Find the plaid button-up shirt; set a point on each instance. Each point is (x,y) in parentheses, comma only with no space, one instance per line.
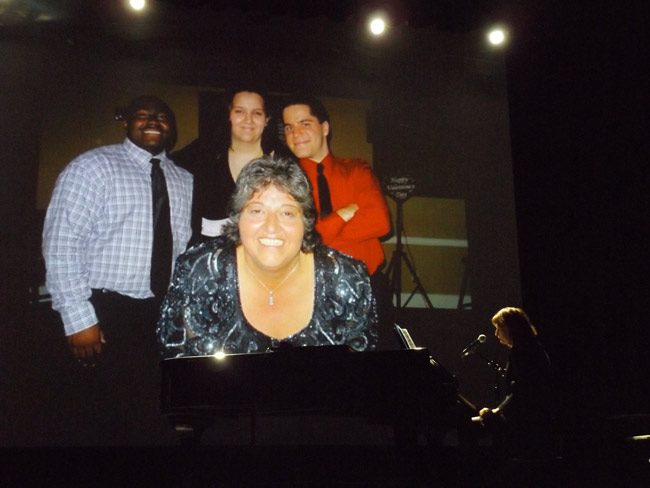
(98,230)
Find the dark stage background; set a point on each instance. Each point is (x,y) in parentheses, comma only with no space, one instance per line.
(578,101)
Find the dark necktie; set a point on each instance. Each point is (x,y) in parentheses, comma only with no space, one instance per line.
(323,192)
(161,254)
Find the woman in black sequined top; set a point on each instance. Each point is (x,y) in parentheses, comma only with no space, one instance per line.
(267,282)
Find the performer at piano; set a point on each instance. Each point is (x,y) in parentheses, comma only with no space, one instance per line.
(524,420)
(267,282)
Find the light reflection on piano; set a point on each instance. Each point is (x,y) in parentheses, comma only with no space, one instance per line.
(401,388)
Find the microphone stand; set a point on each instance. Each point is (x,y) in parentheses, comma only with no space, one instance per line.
(498,374)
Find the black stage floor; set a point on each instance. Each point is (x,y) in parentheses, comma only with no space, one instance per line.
(280,466)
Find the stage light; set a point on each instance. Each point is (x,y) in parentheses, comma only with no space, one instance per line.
(377,26)
(497,36)
(137,5)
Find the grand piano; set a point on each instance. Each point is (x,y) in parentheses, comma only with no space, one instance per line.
(406,389)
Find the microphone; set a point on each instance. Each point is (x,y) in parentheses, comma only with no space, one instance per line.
(473,346)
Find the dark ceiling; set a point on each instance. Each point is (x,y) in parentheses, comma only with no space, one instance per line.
(448,15)
(253,39)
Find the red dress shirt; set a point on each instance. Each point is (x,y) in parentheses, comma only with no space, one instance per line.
(352,181)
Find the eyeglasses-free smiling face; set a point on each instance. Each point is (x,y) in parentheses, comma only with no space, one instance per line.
(149,127)
(271,230)
(247,117)
(305,135)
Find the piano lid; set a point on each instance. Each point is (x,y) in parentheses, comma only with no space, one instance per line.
(325,380)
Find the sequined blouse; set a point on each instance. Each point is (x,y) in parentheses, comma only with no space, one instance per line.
(202,312)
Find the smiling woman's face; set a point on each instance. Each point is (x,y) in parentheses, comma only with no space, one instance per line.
(271,229)
(247,117)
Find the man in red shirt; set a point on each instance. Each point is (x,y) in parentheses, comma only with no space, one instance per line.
(353,214)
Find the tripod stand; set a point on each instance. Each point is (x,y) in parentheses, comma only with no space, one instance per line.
(394,270)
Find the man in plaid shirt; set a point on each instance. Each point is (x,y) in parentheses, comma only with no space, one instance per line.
(98,240)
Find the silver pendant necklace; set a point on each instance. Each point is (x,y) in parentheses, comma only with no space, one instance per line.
(271,300)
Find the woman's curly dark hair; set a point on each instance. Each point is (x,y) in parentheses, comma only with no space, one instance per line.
(285,175)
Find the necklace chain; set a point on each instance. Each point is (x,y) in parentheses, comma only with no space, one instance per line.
(271,290)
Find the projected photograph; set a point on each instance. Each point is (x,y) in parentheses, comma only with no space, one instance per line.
(426,109)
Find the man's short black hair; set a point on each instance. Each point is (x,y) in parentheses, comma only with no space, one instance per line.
(144,100)
(138,102)
(316,108)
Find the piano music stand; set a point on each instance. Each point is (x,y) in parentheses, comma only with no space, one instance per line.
(404,337)
(407,343)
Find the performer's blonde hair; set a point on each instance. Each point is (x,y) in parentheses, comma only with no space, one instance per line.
(517,322)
